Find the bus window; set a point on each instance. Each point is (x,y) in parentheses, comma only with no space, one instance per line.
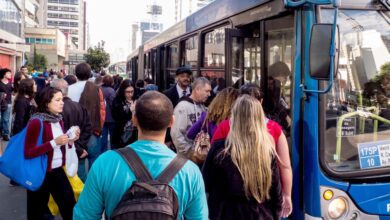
(356,111)
(214,48)
(279,41)
(172,63)
(189,56)
(245,57)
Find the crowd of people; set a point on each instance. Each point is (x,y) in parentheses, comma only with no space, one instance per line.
(246,173)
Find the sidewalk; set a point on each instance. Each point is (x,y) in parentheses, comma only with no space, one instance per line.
(12,199)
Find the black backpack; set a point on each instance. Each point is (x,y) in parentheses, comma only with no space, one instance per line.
(148,198)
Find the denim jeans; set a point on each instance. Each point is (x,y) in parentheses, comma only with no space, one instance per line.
(5,120)
(94,151)
(108,129)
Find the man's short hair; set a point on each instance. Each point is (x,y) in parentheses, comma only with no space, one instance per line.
(200,82)
(153,111)
(3,72)
(60,84)
(83,71)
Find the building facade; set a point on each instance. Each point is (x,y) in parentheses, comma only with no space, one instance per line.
(12,45)
(70,17)
(50,42)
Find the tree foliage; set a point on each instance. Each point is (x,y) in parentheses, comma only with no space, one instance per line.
(97,57)
(39,62)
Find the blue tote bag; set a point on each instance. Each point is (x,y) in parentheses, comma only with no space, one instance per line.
(29,173)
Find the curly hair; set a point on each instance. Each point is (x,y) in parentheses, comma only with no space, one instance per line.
(220,107)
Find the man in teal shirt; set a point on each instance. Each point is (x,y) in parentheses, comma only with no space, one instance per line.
(110,177)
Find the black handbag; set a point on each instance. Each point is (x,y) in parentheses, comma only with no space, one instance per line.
(128,132)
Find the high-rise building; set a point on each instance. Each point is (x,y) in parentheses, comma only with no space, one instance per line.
(70,17)
(149,27)
(31,15)
(183,8)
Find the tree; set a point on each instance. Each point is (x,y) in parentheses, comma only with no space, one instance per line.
(39,62)
(97,57)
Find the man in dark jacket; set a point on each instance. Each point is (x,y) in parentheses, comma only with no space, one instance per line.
(75,115)
(182,87)
(176,92)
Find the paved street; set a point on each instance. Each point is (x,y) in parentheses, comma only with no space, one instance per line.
(12,199)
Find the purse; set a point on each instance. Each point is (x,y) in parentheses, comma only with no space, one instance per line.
(29,173)
(128,131)
(201,144)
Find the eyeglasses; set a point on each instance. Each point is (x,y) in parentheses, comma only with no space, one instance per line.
(129,92)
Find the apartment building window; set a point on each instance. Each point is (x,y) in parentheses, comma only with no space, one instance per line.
(63,23)
(68,2)
(63,16)
(10,17)
(56,8)
(31,40)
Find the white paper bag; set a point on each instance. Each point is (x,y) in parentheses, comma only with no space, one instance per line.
(72,161)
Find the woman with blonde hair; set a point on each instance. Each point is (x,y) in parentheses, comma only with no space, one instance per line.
(219,110)
(241,173)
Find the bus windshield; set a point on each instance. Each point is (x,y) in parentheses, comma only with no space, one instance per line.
(356,138)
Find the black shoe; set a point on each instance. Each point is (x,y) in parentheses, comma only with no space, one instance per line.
(5,138)
(13,183)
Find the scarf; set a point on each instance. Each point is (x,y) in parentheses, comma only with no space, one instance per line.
(48,117)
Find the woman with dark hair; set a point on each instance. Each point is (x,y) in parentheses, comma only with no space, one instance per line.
(122,109)
(109,123)
(24,105)
(17,78)
(54,140)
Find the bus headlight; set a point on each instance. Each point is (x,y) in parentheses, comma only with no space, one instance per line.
(337,208)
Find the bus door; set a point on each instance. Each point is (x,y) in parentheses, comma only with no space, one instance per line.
(160,68)
(243,54)
(279,51)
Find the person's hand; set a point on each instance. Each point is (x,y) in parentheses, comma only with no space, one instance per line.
(132,106)
(77,133)
(286,206)
(61,140)
(84,154)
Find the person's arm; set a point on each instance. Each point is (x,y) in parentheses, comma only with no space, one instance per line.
(179,130)
(276,191)
(31,149)
(20,112)
(102,109)
(85,133)
(90,205)
(195,129)
(197,205)
(285,173)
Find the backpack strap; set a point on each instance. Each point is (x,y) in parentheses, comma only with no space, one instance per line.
(135,163)
(172,169)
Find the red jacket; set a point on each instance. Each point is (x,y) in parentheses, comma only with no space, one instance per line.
(31,149)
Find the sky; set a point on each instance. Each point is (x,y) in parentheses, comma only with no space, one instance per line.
(110,20)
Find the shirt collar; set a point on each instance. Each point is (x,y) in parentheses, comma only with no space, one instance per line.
(180,90)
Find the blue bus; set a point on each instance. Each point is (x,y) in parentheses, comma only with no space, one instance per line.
(327,85)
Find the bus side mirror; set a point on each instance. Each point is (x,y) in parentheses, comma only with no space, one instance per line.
(319,57)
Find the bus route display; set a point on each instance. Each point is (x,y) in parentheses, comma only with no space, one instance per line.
(374,154)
